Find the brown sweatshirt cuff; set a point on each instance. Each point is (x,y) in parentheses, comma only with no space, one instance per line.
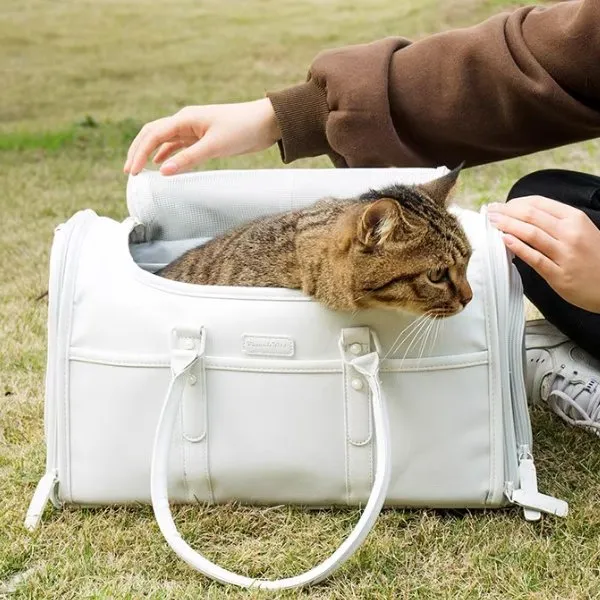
(301,113)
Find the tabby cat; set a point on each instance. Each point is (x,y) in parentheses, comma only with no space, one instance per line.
(394,248)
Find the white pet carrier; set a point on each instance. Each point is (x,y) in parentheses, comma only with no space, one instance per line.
(163,391)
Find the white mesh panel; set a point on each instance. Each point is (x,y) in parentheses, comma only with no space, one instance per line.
(207,203)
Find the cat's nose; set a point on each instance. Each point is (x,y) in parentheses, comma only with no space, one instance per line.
(466,295)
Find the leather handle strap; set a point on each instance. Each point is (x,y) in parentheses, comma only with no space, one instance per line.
(368,366)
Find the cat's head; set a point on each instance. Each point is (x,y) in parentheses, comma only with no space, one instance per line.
(403,250)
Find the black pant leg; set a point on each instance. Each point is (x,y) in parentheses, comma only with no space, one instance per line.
(583,192)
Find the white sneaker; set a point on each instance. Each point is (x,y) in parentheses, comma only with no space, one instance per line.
(563,375)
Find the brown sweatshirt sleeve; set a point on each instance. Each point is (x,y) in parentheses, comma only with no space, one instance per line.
(518,83)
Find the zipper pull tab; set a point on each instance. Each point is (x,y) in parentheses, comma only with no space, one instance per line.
(528,484)
(42,494)
(527,495)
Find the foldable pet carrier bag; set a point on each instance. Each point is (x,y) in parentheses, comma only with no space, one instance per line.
(161,391)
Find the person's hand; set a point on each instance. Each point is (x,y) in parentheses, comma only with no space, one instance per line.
(558,241)
(203,132)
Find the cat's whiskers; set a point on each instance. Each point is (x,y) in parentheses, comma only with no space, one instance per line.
(439,324)
(358,309)
(416,333)
(353,315)
(425,339)
(416,336)
(408,330)
(367,293)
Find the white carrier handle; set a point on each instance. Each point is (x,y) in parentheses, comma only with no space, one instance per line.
(368,366)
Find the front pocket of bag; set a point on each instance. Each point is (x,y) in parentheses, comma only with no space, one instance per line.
(448,454)
(278,431)
(111,417)
(273,435)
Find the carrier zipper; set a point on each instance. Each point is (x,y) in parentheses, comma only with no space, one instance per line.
(499,274)
(526,470)
(521,484)
(47,488)
(516,328)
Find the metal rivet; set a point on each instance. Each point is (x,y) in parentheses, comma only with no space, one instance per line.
(188,343)
(192,380)
(356,348)
(357,384)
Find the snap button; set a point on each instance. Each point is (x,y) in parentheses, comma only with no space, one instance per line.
(357,384)
(192,380)
(356,348)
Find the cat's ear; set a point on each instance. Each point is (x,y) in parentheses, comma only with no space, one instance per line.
(378,222)
(439,189)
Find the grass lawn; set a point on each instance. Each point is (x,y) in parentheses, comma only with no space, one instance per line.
(79,77)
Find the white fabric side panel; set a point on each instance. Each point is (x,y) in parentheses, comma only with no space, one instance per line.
(208,203)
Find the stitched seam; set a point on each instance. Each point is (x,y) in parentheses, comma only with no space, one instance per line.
(119,363)
(436,367)
(184,449)
(492,387)
(347,451)
(273,370)
(365,441)
(132,359)
(211,494)
(197,454)
(370,445)
(348,400)
(350,395)
(352,398)
(66,387)
(83,228)
(214,367)
(196,438)
(369,414)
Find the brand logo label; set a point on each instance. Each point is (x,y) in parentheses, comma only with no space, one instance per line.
(262,345)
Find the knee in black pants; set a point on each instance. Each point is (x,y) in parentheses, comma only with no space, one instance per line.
(580,190)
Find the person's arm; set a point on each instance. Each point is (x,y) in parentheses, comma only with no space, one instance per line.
(517,83)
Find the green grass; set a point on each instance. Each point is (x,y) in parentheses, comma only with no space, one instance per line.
(79,78)
(84,135)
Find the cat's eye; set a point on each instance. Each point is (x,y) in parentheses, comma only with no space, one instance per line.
(438,275)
